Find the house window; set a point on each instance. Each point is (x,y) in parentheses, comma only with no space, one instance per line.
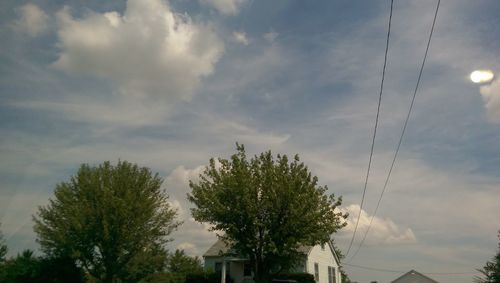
(316,272)
(331,275)
(218,266)
(247,269)
(323,246)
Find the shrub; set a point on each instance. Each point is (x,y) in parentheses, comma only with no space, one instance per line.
(299,277)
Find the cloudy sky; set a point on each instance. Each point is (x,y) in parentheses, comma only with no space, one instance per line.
(168,85)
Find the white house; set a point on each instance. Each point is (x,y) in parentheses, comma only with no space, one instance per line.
(321,261)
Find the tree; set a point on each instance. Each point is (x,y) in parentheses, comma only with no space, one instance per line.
(491,271)
(111,220)
(26,267)
(266,208)
(179,262)
(179,266)
(3,248)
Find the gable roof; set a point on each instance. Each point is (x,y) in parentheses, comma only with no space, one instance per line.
(219,248)
(413,276)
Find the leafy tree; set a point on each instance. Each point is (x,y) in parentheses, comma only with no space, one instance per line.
(266,208)
(113,221)
(179,266)
(23,268)
(491,271)
(26,267)
(3,248)
(179,262)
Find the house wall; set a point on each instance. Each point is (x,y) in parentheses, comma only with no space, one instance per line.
(235,269)
(324,258)
(210,262)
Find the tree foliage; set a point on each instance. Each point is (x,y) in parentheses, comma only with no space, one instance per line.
(112,220)
(3,248)
(179,262)
(490,273)
(266,208)
(179,267)
(26,267)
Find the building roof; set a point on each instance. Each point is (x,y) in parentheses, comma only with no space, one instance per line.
(217,249)
(413,276)
(220,248)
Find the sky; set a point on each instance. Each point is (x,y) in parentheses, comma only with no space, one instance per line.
(168,85)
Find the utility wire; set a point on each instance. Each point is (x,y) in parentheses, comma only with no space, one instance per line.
(405,271)
(374,129)
(402,132)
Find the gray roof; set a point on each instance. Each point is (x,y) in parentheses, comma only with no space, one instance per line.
(413,276)
(217,249)
(220,248)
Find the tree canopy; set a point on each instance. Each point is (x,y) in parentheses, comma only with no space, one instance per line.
(113,221)
(26,267)
(490,273)
(3,248)
(265,207)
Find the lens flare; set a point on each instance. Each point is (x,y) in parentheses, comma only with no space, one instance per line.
(482,76)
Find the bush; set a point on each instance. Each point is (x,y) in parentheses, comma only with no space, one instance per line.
(299,277)
(203,277)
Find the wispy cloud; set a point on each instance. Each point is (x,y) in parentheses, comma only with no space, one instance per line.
(225,7)
(240,37)
(32,20)
(491,98)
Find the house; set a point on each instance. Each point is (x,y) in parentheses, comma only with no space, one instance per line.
(321,261)
(413,276)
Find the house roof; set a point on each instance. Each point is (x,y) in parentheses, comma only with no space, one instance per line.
(413,276)
(220,248)
(217,249)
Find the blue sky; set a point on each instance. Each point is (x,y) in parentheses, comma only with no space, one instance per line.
(170,84)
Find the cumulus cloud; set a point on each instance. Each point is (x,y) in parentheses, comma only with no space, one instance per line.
(192,237)
(383,231)
(32,20)
(147,50)
(225,7)
(491,98)
(240,37)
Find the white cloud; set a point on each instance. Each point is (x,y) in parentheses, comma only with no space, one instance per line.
(149,50)
(32,20)
(225,7)
(240,37)
(193,237)
(188,248)
(491,98)
(382,231)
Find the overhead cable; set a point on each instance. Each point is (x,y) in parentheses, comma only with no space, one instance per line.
(374,130)
(402,132)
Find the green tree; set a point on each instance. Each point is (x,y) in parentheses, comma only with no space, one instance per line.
(26,267)
(111,220)
(179,262)
(3,248)
(266,208)
(179,266)
(490,273)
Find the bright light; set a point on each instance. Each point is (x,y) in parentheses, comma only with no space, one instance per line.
(481,76)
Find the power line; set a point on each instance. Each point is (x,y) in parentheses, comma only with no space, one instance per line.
(374,129)
(404,271)
(402,132)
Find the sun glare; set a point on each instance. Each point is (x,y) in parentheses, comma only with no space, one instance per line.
(481,76)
